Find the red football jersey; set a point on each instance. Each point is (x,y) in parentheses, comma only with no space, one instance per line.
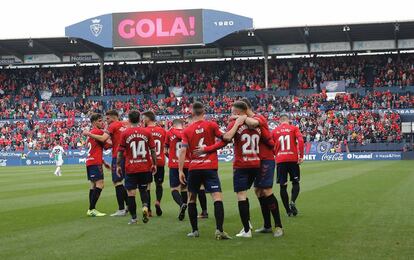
(136,142)
(174,142)
(115,130)
(201,133)
(266,150)
(246,146)
(289,143)
(95,149)
(158,134)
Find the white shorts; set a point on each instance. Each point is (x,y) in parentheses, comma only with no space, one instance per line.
(59,163)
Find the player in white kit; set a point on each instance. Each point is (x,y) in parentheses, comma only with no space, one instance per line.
(57,154)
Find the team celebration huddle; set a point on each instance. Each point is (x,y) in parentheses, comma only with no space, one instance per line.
(139,151)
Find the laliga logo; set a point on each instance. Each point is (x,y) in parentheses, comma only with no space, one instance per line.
(96,27)
(146,28)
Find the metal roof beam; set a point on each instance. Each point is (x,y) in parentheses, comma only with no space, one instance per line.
(48,48)
(305,36)
(91,48)
(346,29)
(13,52)
(396,34)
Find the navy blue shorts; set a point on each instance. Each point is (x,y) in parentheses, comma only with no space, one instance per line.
(159,175)
(175,178)
(95,172)
(138,180)
(244,178)
(115,177)
(285,168)
(267,174)
(208,178)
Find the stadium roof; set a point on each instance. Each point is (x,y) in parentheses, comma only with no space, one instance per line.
(324,33)
(264,37)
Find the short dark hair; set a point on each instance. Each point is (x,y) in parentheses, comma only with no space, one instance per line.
(240,105)
(282,115)
(247,101)
(177,121)
(150,115)
(95,117)
(198,108)
(112,112)
(134,116)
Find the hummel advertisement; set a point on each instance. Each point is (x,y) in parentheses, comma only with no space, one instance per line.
(79,157)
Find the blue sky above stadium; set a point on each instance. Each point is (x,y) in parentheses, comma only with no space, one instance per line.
(48,18)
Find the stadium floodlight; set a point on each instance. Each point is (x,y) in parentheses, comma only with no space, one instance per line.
(306,31)
(250,33)
(73,41)
(397,27)
(30,43)
(346,28)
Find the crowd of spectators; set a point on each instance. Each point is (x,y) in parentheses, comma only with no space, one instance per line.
(209,77)
(28,121)
(264,103)
(41,135)
(361,126)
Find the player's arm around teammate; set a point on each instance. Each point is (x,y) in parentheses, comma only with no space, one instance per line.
(140,164)
(94,162)
(264,182)
(203,170)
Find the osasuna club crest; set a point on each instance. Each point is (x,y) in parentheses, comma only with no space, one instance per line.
(96,27)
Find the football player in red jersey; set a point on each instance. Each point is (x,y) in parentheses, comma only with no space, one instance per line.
(158,134)
(202,198)
(247,165)
(140,163)
(114,131)
(264,181)
(289,148)
(202,168)
(172,148)
(94,163)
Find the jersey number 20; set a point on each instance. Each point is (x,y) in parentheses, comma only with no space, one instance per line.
(251,144)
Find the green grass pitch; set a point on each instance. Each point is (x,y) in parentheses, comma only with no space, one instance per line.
(348,210)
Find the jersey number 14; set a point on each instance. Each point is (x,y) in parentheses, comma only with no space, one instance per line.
(138,149)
